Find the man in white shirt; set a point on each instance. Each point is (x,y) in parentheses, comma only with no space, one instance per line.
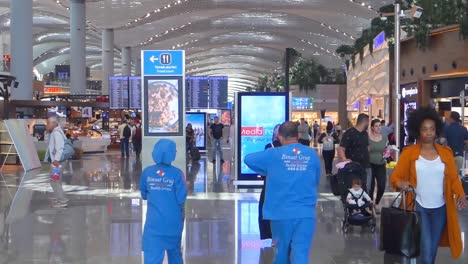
(54,156)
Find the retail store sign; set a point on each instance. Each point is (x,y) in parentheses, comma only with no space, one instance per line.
(408,92)
(163,62)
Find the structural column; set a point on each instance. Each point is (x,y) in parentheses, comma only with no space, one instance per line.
(78,46)
(107,58)
(126,61)
(138,66)
(22,48)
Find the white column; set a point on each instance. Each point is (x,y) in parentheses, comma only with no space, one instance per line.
(138,66)
(107,58)
(126,61)
(21,48)
(78,47)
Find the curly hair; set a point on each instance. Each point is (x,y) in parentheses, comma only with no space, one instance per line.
(418,116)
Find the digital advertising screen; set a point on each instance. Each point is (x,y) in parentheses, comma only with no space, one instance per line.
(198,121)
(118,92)
(57,111)
(164,111)
(87,112)
(226,117)
(256,126)
(301,103)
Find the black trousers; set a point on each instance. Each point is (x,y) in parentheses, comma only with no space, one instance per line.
(263,225)
(379,174)
(328,157)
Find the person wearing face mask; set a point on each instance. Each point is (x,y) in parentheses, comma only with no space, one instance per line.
(377,145)
(430,169)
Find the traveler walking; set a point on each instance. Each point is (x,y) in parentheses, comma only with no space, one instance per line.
(304,136)
(289,201)
(355,142)
(316,130)
(56,154)
(377,145)
(456,137)
(328,141)
(137,140)
(430,169)
(264,225)
(163,185)
(125,132)
(216,136)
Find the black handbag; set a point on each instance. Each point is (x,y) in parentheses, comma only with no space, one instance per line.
(400,229)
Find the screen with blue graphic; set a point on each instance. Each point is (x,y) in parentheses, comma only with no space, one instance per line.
(198,121)
(301,103)
(257,125)
(197,92)
(219,92)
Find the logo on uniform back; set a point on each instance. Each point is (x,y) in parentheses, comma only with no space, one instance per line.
(160,173)
(296,151)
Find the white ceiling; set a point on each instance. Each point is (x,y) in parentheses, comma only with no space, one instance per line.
(239,38)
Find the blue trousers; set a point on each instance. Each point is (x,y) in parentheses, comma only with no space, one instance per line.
(433,222)
(217,147)
(154,251)
(124,147)
(295,235)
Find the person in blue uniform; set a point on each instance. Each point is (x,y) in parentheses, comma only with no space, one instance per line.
(293,175)
(163,186)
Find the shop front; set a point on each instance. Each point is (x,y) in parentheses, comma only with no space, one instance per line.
(445,94)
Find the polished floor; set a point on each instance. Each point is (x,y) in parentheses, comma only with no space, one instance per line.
(103,223)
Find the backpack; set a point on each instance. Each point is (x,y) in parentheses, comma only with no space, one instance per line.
(68,149)
(137,136)
(329,144)
(127,132)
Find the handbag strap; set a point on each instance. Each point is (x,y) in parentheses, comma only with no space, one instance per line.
(403,194)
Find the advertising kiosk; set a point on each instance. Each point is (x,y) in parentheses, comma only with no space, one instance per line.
(255,128)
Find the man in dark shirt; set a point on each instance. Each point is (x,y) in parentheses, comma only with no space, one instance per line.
(216,135)
(355,143)
(456,137)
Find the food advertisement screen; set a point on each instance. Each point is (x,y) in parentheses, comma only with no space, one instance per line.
(198,122)
(256,126)
(164,106)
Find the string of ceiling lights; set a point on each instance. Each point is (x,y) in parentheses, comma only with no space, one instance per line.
(363,4)
(144,43)
(152,13)
(320,47)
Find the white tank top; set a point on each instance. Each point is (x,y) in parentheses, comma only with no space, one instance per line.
(430,187)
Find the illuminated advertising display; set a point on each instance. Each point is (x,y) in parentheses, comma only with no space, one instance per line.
(198,121)
(256,125)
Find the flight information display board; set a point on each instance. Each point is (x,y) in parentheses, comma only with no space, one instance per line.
(118,92)
(135,92)
(197,92)
(219,92)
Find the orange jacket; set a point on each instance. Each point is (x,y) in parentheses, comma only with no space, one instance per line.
(406,171)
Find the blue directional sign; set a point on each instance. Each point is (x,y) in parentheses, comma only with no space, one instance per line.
(163,62)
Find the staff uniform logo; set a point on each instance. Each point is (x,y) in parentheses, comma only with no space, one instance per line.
(296,151)
(161,173)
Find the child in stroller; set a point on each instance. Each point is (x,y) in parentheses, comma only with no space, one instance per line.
(358,208)
(358,198)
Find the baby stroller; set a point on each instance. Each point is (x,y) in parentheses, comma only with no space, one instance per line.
(355,215)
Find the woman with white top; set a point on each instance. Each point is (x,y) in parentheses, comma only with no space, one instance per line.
(430,168)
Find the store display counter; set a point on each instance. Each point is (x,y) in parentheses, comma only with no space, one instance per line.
(88,145)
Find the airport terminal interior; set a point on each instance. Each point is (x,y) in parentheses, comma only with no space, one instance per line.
(215,77)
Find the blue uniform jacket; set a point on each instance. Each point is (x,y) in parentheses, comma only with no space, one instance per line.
(164,187)
(292,180)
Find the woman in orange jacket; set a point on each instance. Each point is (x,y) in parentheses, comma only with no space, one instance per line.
(430,168)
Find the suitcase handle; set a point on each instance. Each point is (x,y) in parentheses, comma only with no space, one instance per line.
(403,195)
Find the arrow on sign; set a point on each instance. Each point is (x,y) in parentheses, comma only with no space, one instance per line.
(153,59)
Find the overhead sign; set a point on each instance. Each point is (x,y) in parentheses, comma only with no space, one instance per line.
(163,62)
(163,73)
